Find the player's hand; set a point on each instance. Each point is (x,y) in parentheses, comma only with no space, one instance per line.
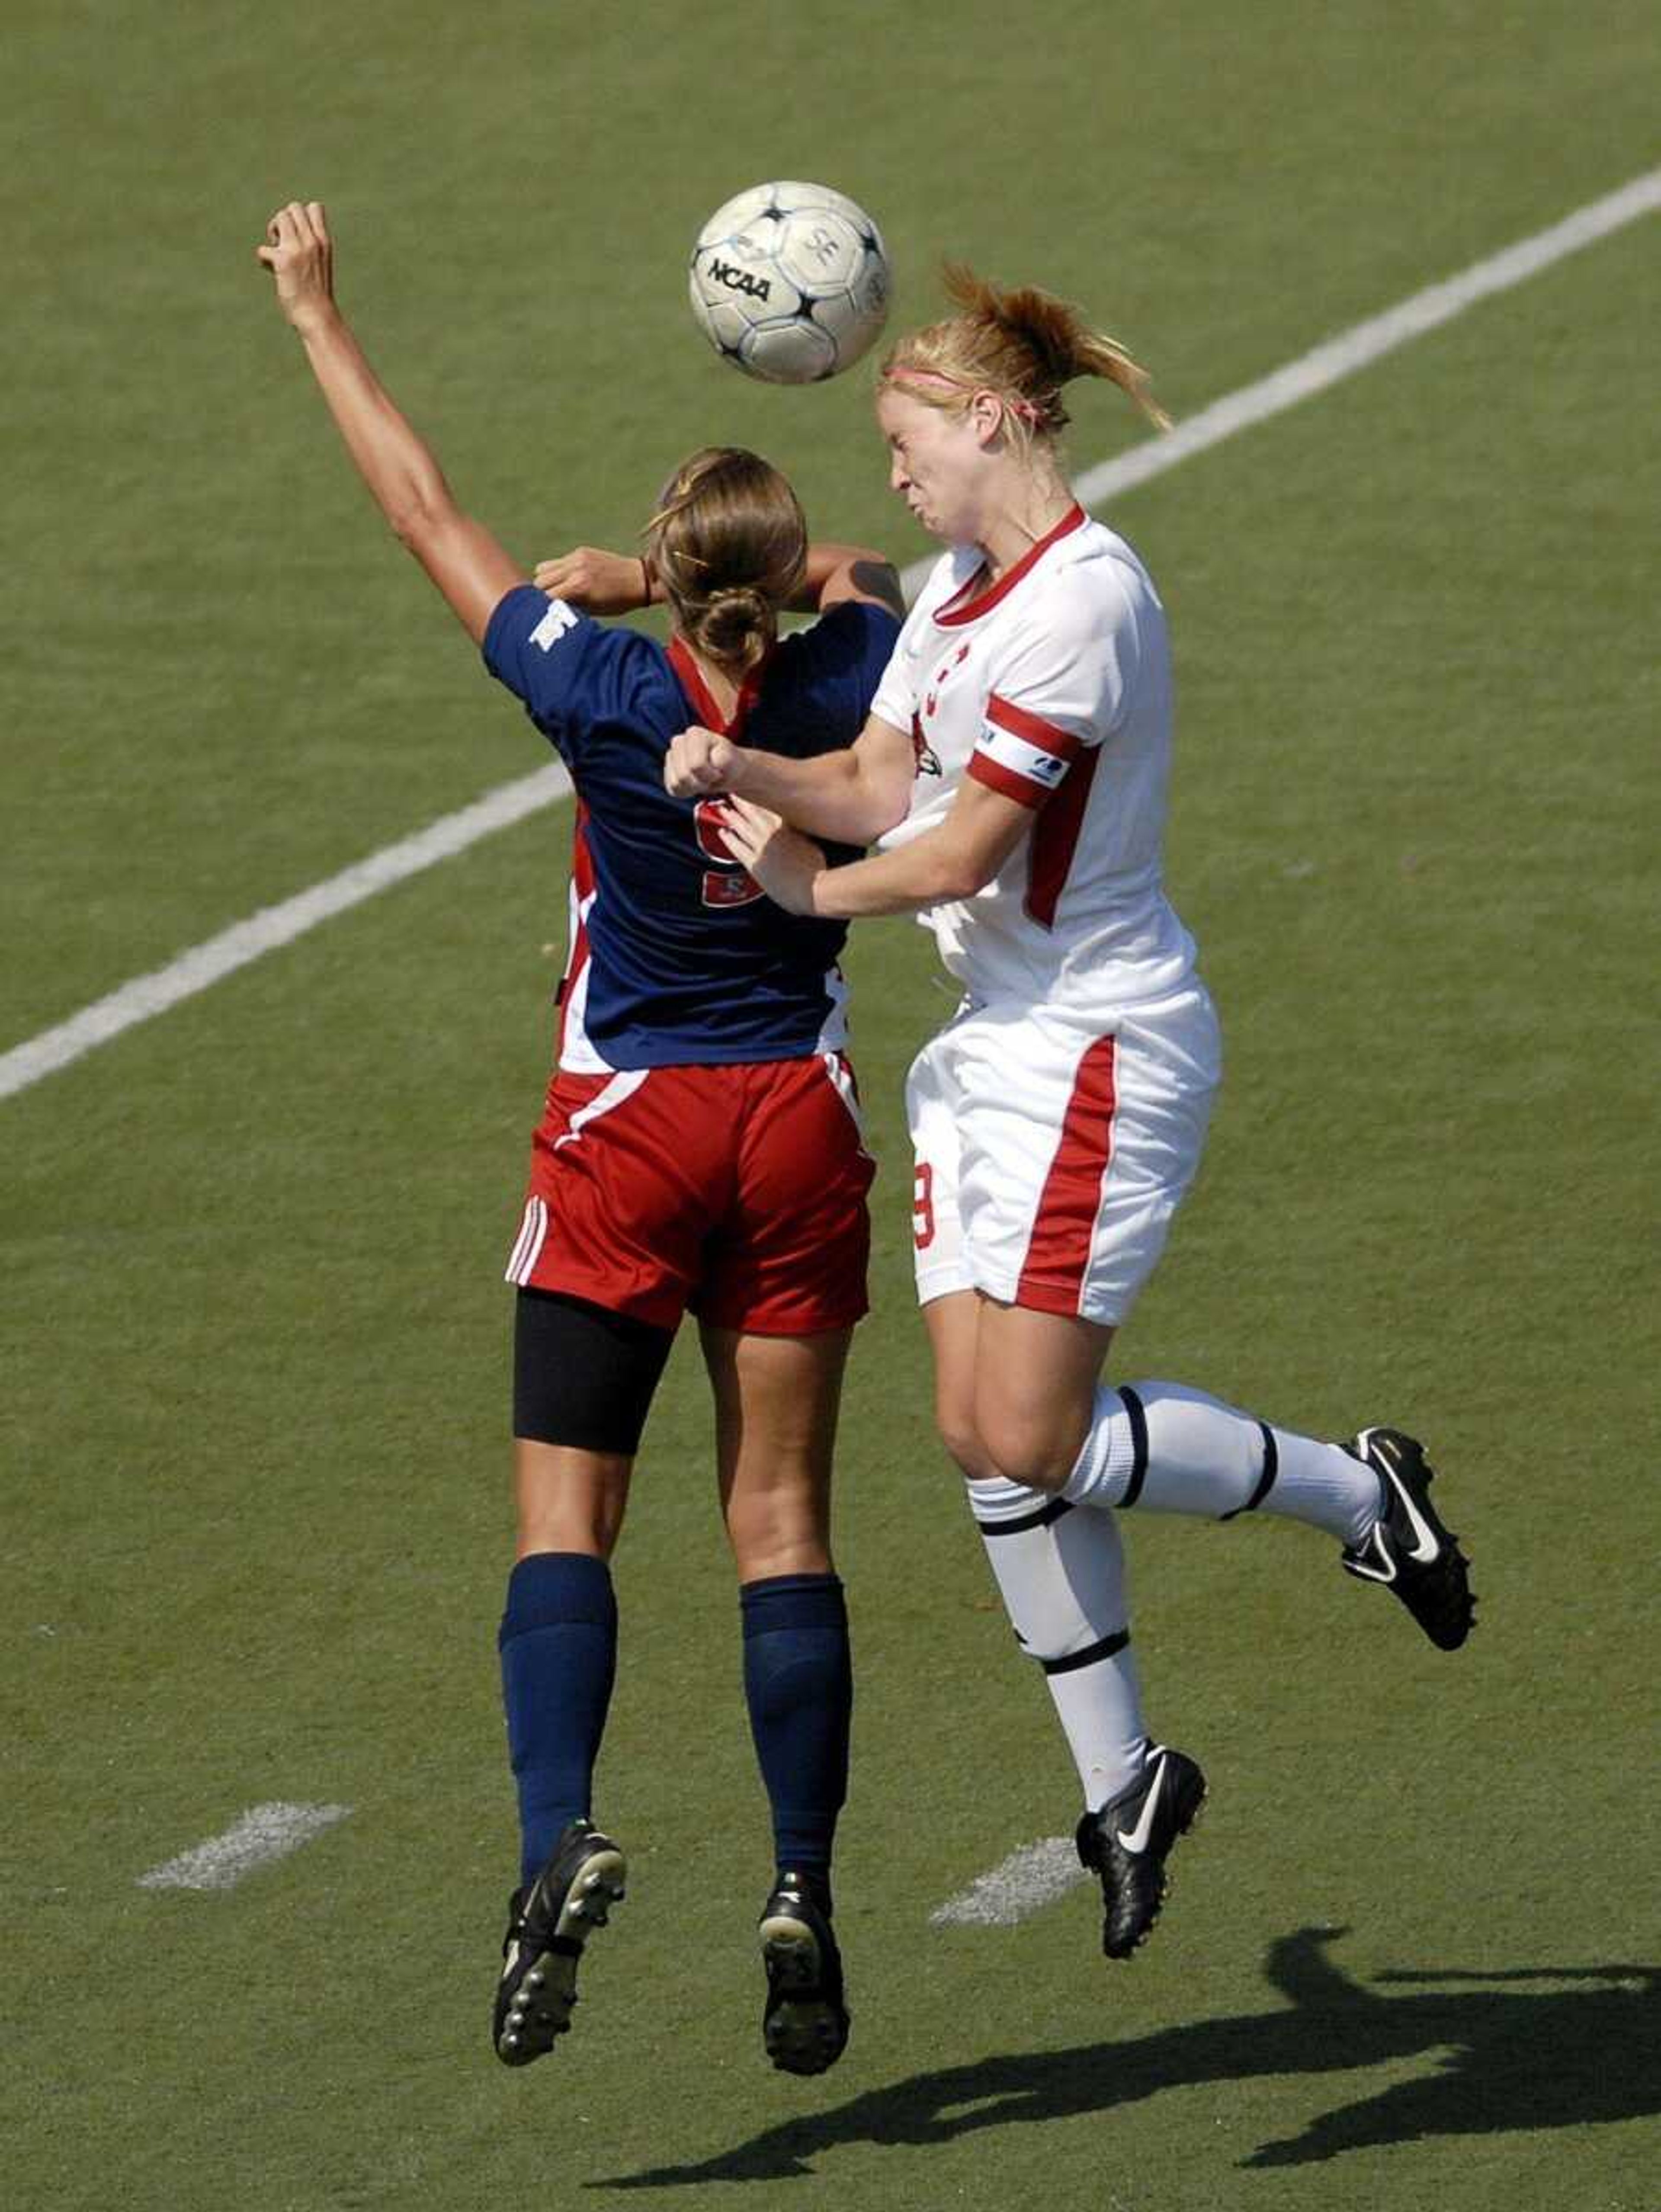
(300,255)
(783,862)
(597,582)
(698,763)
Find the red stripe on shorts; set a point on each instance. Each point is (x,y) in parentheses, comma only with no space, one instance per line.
(1058,1250)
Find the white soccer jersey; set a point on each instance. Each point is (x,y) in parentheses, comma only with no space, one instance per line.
(1052,686)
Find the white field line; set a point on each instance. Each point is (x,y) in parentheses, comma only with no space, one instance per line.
(264,1834)
(272,926)
(1326,365)
(1037,1874)
(1364,342)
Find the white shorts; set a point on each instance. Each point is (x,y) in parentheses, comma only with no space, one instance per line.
(1051,1157)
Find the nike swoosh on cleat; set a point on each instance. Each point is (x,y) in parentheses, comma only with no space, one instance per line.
(1138,1838)
(1424,1547)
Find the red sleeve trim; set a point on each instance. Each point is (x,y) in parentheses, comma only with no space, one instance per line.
(1048,737)
(996,777)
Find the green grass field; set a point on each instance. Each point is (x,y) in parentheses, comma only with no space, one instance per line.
(253,1355)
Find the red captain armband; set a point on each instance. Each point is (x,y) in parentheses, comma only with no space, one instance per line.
(1021,755)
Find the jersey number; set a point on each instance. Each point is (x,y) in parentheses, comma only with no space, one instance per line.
(729,883)
(922,1207)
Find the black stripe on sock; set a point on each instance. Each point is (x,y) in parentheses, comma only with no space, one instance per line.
(1088,1657)
(1133,1405)
(1040,1518)
(1265,1480)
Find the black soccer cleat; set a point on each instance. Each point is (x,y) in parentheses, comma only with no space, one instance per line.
(805,2025)
(1125,1844)
(1408,1549)
(548,1924)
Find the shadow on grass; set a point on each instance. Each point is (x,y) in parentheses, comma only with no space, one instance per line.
(1580,2046)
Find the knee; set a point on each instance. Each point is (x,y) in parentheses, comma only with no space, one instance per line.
(954,1420)
(594,1530)
(774,1536)
(777,1511)
(568,1500)
(1034,1444)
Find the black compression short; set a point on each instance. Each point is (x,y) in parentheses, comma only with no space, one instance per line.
(583,1376)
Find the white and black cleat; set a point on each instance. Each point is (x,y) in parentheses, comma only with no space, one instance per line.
(804,2025)
(548,1924)
(1127,1842)
(1407,1548)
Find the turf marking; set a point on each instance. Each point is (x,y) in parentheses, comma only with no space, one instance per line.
(1316,371)
(264,1834)
(1037,1874)
(272,926)
(1365,342)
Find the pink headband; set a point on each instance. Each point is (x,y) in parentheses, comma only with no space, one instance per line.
(933,378)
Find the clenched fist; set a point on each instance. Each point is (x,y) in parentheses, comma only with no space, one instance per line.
(699,763)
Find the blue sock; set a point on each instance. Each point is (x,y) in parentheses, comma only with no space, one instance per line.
(559,1646)
(798,1685)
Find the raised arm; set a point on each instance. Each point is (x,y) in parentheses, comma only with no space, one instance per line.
(461,555)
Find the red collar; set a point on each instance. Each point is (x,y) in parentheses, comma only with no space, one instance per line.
(702,699)
(960,608)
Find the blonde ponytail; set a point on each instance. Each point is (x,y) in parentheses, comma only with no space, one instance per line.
(1023,345)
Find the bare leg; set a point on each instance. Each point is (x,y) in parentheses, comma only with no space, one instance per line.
(776,1400)
(568,1500)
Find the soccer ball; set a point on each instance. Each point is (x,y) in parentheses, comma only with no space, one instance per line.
(789,281)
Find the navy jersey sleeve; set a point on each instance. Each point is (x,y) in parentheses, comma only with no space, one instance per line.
(832,675)
(572,673)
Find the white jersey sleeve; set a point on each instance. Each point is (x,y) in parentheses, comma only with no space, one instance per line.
(1060,690)
(897,694)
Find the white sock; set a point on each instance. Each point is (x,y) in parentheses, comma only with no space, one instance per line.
(1062,1580)
(1325,1485)
(1174,1450)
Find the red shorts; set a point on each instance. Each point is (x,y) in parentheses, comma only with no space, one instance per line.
(737,1191)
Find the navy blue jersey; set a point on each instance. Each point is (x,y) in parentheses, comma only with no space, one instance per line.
(676,956)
